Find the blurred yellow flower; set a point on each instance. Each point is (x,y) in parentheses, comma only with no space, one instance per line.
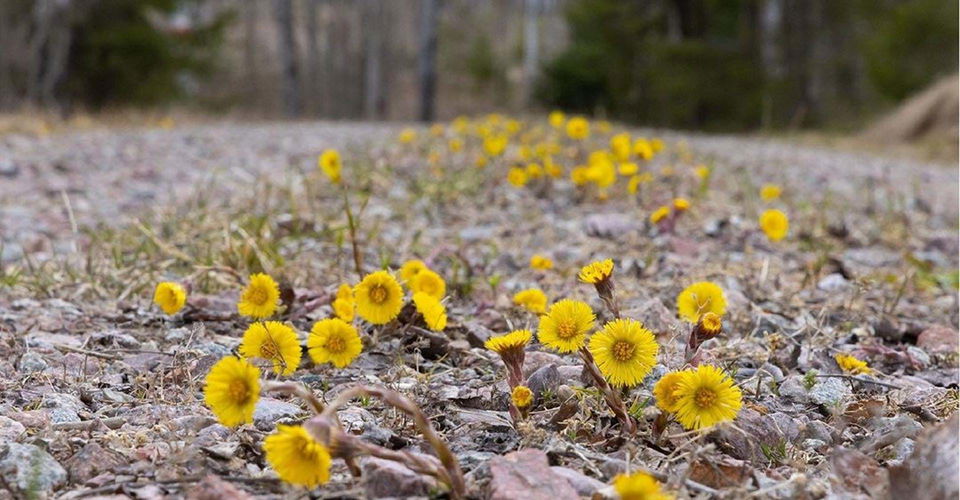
(428,282)
(627,169)
(297,457)
(681,204)
(495,145)
(534,171)
(436,129)
(231,390)
(578,128)
(664,391)
(272,341)
(407,136)
(411,268)
(699,298)
(540,262)
(170,297)
(702,171)
(659,214)
(557,119)
(769,192)
(455,145)
(774,224)
(517,177)
(620,146)
(329,163)
(433,311)
(850,364)
(656,144)
(595,272)
(521,396)
(642,149)
(344,304)
(580,175)
(531,299)
(638,486)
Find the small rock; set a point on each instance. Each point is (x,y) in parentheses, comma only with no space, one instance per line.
(609,225)
(857,473)
(888,430)
(585,485)
(32,362)
(10,429)
(817,429)
(793,388)
(931,471)
(534,360)
(214,488)
(829,391)
(896,453)
(754,433)
(527,474)
(720,473)
(63,407)
(386,478)
(833,283)
(30,471)
(813,444)
(91,461)
(939,339)
(547,378)
(268,411)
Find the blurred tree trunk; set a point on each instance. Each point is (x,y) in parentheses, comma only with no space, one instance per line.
(373,52)
(289,64)
(314,78)
(531,50)
(428,58)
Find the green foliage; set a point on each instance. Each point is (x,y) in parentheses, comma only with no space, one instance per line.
(911,45)
(121,56)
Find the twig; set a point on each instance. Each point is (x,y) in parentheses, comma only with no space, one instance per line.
(88,353)
(110,423)
(858,379)
(351,223)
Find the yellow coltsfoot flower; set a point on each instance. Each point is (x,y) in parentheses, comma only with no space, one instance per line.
(428,282)
(596,272)
(329,163)
(769,192)
(664,391)
(540,262)
(624,351)
(170,296)
(699,298)
(297,457)
(334,341)
(260,298)
(638,486)
(566,325)
(411,268)
(774,224)
(852,365)
(433,311)
(379,297)
(275,342)
(706,396)
(231,390)
(578,128)
(531,299)
(522,397)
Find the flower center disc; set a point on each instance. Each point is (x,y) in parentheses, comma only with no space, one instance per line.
(378,294)
(566,329)
(623,350)
(257,296)
(336,344)
(705,398)
(268,350)
(238,391)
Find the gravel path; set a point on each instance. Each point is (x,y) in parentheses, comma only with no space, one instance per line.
(53,184)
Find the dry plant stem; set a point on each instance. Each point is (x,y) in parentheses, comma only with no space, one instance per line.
(352,224)
(307,396)
(606,291)
(451,475)
(609,395)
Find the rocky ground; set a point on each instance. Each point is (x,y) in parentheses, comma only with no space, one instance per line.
(101,394)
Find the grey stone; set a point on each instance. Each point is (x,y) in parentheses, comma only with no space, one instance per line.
(388,479)
(931,471)
(829,391)
(32,362)
(269,411)
(547,378)
(30,471)
(585,485)
(817,429)
(813,444)
(834,282)
(10,429)
(527,474)
(793,388)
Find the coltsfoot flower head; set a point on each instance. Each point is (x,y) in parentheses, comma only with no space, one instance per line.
(566,325)
(774,224)
(231,390)
(297,457)
(659,214)
(664,391)
(272,341)
(596,272)
(532,299)
(852,365)
(344,304)
(521,396)
(628,169)
(625,352)
(557,119)
(578,128)
(540,262)
(495,145)
(699,298)
(411,268)
(517,339)
(330,164)
(517,177)
(407,136)
(170,297)
(681,204)
(428,282)
(769,192)
(642,148)
(260,298)
(334,341)
(379,297)
(433,311)
(638,486)
(702,171)
(706,396)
